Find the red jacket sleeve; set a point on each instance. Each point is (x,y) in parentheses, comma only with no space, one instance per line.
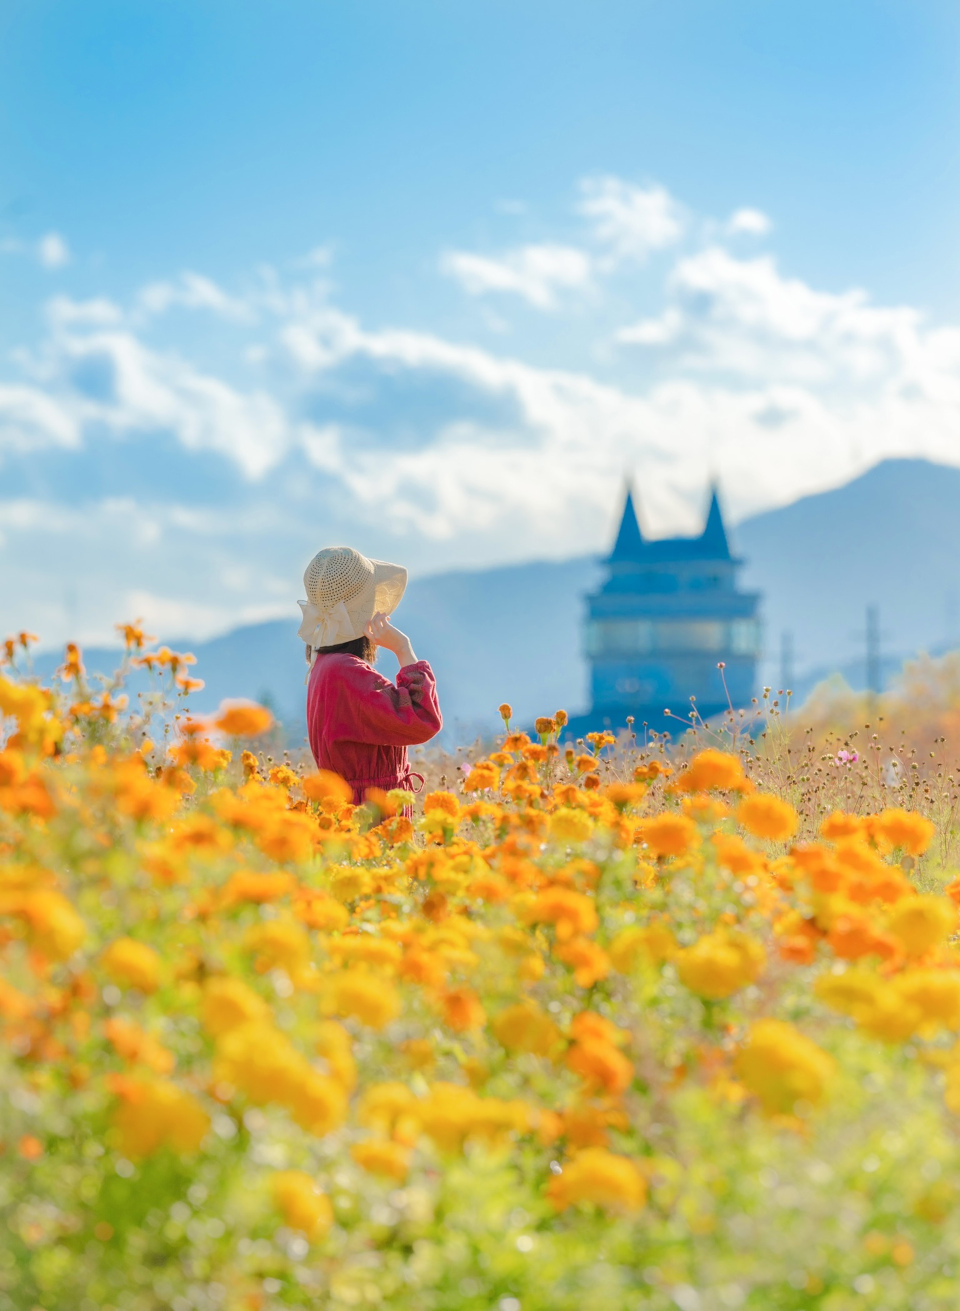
(387,714)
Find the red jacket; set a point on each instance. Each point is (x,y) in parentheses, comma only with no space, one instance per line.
(360,724)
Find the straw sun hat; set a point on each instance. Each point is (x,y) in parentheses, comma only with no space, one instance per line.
(344,592)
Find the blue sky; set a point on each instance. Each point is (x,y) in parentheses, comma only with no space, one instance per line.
(431,277)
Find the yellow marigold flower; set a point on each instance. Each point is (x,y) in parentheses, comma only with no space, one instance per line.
(155,1113)
(365,949)
(782,1067)
(228,1003)
(720,963)
(853,993)
(133,964)
(301,1203)
(365,997)
(243,719)
(919,923)
(463,1009)
(382,1157)
(668,834)
(766,816)
(892,1017)
(264,1064)
(335,1045)
(572,913)
(935,992)
(55,929)
(601,1178)
(567,825)
(904,829)
(711,769)
(278,943)
(526,1027)
(384,1106)
(652,942)
(453,1115)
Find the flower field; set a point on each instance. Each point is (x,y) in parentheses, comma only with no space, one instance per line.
(590,1028)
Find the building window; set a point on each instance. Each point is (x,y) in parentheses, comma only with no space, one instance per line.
(619,637)
(745,637)
(690,635)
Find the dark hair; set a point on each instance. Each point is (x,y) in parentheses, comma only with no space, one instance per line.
(362,647)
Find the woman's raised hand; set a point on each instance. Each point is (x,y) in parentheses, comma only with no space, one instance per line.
(382,632)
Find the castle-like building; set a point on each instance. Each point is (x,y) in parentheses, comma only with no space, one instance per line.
(668,613)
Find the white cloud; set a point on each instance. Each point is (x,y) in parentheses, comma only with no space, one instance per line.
(631,221)
(535,273)
(749,223)
(121,383)
(193,291)
(31,420)
(744,317)
(781,387)
(52,251)
(62,312)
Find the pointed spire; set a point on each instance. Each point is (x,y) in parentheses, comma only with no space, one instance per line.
(714,538)
(629,544)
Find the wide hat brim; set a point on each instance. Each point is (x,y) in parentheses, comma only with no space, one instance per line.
(389,585)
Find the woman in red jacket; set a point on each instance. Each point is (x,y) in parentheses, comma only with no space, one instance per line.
(358,722)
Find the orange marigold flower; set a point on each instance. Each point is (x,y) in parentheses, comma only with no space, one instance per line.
(506,712)
(668,834)
(766,816)
(711,769)
(600,1065)
(441,803)
(572,913)
(484,774)
(841,825)
(243,719)
(463,1010)
(587,959)
(904,830)
(328,788)
(545,725)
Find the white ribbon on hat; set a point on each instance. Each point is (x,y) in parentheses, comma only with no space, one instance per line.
(325,627)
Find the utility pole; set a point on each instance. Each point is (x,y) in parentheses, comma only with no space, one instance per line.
(786,660)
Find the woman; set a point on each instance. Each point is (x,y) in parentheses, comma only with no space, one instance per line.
(358,722)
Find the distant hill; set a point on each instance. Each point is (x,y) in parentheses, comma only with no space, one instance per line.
(890,537)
